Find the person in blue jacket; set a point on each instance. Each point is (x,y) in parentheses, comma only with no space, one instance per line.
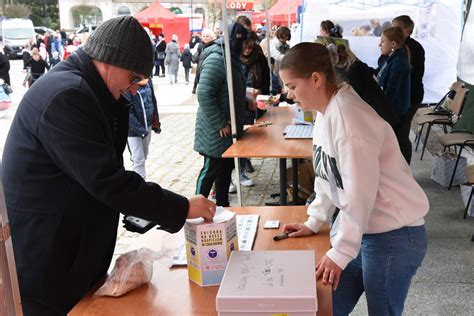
(142,120)
(393,76)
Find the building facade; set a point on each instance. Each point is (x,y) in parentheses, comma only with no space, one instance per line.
(74,13)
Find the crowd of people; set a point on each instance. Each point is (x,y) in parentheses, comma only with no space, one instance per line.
(70,147)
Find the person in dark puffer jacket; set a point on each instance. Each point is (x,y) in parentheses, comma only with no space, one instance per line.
(213,132)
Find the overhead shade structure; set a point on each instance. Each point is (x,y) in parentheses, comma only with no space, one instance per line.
(161,20)
(278,13)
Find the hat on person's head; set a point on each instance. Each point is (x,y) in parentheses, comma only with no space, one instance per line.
(124,43)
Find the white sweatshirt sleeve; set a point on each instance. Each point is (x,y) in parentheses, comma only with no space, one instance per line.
(360,171)
(319,211)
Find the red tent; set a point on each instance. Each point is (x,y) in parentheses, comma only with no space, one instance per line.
(155,13)
(161,20)
(278,13)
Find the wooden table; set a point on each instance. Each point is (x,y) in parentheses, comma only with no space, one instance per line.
(171,292)
(269,142)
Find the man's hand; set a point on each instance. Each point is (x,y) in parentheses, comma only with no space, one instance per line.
(199,206)
(299,230)
(329,271)
(224,132)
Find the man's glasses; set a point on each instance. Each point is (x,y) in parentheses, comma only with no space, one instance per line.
(135,78)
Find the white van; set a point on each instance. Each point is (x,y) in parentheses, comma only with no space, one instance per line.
(16,33)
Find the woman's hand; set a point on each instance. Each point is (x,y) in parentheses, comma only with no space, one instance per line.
(199,206)
(224,132)
(297,230)
(329,271)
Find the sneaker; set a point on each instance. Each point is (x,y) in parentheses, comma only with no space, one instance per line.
(232,188)
(248,166)
(213,195)
(245,181)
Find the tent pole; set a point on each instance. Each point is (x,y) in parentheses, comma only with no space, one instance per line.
(267,35)
(289,13)
(230,87)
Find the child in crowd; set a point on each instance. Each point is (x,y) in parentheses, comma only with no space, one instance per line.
(37,66)
(55,60)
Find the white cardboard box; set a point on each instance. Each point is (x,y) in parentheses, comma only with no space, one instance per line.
(267,283)
(208,247)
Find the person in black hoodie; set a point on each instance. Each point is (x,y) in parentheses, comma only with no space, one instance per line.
(63,175)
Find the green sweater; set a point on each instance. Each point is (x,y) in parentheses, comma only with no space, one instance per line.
(214,112)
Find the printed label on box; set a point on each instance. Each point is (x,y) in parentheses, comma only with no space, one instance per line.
(208,248)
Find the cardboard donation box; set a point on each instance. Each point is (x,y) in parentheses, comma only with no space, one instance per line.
(268,283)
(443,167)
(208,247)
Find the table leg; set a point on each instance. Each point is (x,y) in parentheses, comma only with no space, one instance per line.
(294,165)
(283,195)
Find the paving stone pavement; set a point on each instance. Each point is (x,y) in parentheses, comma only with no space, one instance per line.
(174,165)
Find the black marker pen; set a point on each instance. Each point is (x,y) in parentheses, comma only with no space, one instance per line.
(283,235)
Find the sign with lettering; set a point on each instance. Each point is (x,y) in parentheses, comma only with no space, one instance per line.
(240,5)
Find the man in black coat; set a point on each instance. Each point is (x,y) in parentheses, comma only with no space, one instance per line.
(64,179)
(417,62)
(4,64)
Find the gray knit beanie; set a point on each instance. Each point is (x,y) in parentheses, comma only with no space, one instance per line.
(124,43)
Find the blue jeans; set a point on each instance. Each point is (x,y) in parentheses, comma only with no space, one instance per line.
(383,270)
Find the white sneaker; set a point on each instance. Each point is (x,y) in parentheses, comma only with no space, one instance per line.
(232,188)
(245,181)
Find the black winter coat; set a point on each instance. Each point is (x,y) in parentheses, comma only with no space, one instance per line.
(65,184)
(4,68)
(417,62)
(186,58)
